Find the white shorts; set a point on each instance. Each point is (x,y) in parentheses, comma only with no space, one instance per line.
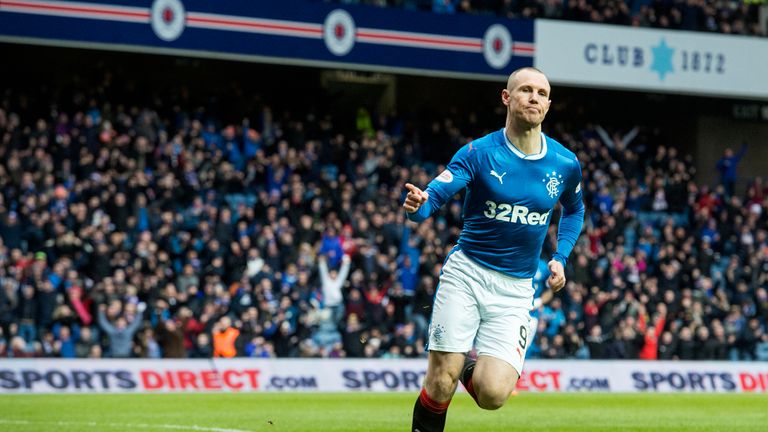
(480,306)
(533,328)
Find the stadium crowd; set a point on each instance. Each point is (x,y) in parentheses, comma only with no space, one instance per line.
(131,233)
(718,16)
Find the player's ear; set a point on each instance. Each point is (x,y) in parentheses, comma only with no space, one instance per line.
(505,96)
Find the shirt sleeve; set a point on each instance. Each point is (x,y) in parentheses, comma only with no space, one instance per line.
(457,175)
(572,219)
(105,324)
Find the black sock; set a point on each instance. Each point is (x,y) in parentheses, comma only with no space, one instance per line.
(467,370)
(429,415)
(466,377)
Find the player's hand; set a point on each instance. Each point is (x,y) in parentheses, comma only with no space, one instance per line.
(415,198)
(557,275)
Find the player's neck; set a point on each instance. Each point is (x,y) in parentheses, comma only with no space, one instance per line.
(527,140)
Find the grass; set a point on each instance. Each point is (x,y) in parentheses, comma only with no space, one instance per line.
(227,412)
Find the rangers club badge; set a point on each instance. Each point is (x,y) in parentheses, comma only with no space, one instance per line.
(497,46)
(168,19)
(339,32)
(552,183)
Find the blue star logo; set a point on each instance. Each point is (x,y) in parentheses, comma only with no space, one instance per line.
(662,59)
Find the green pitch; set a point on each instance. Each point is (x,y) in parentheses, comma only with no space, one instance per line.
(378,412)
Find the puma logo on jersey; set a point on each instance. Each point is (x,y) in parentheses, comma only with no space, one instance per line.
(500,177)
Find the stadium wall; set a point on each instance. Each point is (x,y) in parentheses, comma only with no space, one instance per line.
(349,375)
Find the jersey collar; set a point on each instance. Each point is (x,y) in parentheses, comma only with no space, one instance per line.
(521,155)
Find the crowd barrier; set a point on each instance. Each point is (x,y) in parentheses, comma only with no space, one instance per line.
(375,375)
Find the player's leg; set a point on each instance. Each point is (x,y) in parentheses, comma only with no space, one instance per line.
(443,374)
(429,412)
(502,341)
(533,326)
(494,370)
(454,323)
(493,382)
(501,345)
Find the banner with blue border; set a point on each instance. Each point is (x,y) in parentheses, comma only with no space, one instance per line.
(287,32)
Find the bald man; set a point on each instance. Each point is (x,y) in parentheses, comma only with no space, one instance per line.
(513,177)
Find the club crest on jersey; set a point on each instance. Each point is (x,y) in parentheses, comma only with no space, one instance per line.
(438,331)
(552,182)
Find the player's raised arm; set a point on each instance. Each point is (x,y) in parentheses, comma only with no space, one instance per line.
(420,205)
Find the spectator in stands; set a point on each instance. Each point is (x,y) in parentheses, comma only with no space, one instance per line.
(650,347)
(196,239)
(444,6)
(84,343)
(202,347)
(120,334)
(11,231)
(148,346)
(3,344)
(224,336)
(171,339)
(686,345)
(332,282)
(667,346)
(691,15)
(65,344)
(596,343)
(727,165)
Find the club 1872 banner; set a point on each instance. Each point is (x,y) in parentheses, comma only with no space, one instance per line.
(664,61)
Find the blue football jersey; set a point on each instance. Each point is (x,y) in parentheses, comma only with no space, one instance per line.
(539,283)
(509,201)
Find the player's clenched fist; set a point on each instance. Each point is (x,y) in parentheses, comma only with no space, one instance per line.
(415,198)
(556,278)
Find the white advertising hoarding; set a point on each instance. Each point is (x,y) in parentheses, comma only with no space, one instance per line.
(340,375)
(652,60)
